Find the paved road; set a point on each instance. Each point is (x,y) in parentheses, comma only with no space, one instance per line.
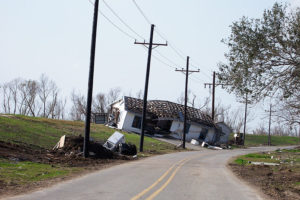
(185,175)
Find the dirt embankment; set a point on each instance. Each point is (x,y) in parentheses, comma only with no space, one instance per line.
(69,157)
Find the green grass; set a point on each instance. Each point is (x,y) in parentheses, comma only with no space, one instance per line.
(240,161)
(257,140)
(45,133)
(18,173)
(283,156)
(256,155)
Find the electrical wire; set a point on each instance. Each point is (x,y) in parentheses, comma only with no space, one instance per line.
(123,22)
(173,47)
(112,23)
(173,63)
(141,11)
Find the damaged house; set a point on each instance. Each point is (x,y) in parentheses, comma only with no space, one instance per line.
(165,118)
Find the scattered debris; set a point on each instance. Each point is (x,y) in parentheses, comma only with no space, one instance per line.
(263,163)
(114,140)
(194,142)
(127,149)
(60,143)
(214,147)
(204,144)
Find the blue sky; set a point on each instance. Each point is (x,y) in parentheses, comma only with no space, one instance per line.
(53,37)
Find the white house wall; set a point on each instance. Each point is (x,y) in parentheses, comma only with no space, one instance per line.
(210,136)
(224,138)
(120,105)
(194,131)
(127,123)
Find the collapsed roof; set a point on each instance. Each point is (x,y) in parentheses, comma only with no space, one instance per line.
(167,110)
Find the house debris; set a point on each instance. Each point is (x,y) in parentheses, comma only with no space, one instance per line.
(165,118)
(194,142)
(114,140)
(263,163)
(73,145)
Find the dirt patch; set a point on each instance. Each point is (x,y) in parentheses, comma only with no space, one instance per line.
(278,182)
(66,157)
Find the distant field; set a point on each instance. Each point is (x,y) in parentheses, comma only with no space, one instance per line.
(255,140)
(45,133)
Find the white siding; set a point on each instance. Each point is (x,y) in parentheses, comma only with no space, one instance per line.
(194,131)
(210,135)
(127,125)
(226,131)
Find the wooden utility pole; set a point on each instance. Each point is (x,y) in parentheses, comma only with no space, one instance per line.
(270,116)
(213,84)
(150,44)
(245,119)
(90,83)
(187,73)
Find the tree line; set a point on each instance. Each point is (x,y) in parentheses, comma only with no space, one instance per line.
(43,98)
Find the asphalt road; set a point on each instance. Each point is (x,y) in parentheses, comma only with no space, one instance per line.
(185,175)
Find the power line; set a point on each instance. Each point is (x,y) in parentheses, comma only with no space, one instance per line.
(176,50)
(112,23)
(141,11)
(173,63)
(115,13)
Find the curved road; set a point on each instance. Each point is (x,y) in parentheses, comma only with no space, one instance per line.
(185,175)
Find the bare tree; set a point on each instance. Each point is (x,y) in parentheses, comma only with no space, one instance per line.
(6,98)
(100,103)
(44,92)
(29,91)
(14,89)
(191,99)
(113,95)
(78,110)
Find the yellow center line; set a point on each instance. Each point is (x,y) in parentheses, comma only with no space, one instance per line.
(154,194)
(156,182)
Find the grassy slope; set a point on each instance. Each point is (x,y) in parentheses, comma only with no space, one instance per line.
(255,140)
(24,172)
(40,132)
(46,132)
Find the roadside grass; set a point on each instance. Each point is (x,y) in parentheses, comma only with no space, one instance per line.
(282,156)
(254,157)
(45,133)
(278,181)
(258,140)
(23,172)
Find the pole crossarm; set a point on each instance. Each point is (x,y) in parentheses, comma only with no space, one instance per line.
(184,71)
(216,84)
(154,45)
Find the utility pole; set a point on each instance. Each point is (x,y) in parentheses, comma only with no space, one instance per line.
(213,84)
(270,116)
(150,44)
(245,121)
(187,73)
(90,83)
